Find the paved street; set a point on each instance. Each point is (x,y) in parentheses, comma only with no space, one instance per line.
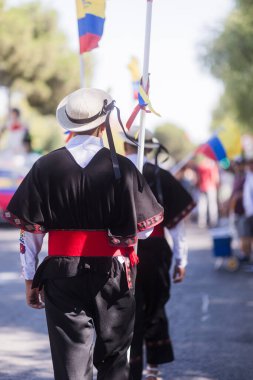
(211,316)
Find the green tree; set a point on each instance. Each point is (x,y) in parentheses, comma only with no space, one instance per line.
(175,140)
(229,56)
(34,55)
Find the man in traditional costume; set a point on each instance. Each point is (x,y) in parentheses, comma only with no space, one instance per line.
(94,204)
(155,254)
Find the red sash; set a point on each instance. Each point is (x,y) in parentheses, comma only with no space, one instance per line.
(158,231)
(86,243)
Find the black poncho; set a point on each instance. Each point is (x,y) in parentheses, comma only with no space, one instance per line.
(58,194)
(177,202)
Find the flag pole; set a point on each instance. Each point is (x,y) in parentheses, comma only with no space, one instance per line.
(177,167)
(82,80)
(141,140)
(81,58)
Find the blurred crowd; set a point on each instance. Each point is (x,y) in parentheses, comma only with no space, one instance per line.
(224,197)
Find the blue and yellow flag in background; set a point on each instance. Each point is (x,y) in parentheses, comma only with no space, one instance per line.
(225,144)
(91,18)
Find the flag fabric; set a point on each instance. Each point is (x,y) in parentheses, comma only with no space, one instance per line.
(225,144)
(231,140)
(213,149)
(133,67)
(91,18)
(144,100)
(135,89)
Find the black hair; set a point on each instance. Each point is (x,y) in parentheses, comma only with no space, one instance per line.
(16,111)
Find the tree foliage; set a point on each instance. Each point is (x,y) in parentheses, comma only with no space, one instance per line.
(34,55)
(229,56)
(175,140)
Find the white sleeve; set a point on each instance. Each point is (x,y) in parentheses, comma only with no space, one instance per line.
(180,248)
(142,235)
(247,197)
(30,246)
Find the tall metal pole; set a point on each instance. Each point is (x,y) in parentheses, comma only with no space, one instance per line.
(141,139)
(144,83)
(82,80)
(79,9)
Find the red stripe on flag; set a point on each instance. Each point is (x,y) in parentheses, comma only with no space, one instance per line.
(207,151)
(88,42)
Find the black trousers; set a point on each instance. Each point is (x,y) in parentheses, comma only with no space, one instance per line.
(152,291)
(78,306)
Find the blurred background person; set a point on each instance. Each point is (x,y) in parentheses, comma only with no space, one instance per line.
(16,130)
(187,176)
(207,184)
(188,179)
(248,203)
(237,211)
(30,155)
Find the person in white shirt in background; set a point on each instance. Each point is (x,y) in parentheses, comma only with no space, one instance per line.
(153,278)
(16,130)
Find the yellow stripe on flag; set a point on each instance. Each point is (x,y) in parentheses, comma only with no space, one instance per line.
(146,99)
(231,139)
(133,67)
(94,7)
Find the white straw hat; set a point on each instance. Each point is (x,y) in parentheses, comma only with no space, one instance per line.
(150,141)
(84,109)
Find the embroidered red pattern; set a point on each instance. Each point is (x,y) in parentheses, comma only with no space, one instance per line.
(150,222)
(182,215)
(22,242)
(17,222)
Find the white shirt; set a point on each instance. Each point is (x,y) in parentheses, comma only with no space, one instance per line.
(83,148)
(248,194)
(178,235)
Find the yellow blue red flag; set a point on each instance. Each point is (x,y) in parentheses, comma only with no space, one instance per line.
(90,18)
(144,100)
(225,144)
(133,67)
